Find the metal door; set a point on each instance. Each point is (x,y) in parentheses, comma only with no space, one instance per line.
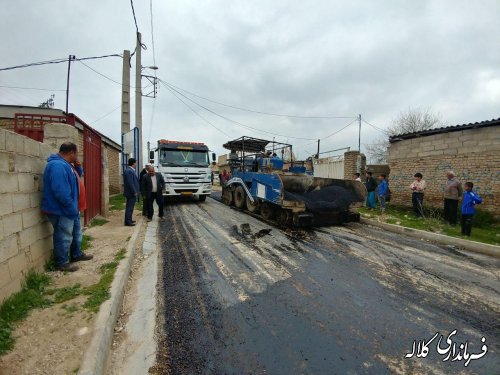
(92,164)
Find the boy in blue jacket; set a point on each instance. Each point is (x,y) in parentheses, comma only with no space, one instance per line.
(383,190)
(470,199)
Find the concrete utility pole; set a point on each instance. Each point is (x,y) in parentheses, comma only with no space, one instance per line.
(138,98)
(126,93)
(359,133)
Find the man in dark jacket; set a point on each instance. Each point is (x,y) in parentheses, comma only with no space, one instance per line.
(141,175)
(60,203)
(371,186)
(152,187)
(131,190)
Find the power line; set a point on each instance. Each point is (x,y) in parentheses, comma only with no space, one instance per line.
(256,111)
(229,119)
(99,73)
(135,19)
(31,88)
(375,127)
(152,32)
(57,61)
(338,131)
(196,113)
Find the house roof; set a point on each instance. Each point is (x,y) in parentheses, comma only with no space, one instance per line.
(8,111)
(447,129)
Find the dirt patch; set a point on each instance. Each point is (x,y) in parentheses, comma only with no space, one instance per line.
(53,340)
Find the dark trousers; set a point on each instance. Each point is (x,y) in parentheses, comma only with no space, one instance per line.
(466,221)
(144,206)
(149,201)
(417,199)
(450,211)
(129,209)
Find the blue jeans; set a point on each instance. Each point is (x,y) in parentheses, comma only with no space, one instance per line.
(129,209)
(370,199)
(67,238)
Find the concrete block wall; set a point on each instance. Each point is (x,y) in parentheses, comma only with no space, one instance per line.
(115,185)
(473,154)
(25,233)
(354,162)
(105,181)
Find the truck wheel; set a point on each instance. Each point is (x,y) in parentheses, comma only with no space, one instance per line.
(227,196)
(253,207)
(202,198)
(240,197)
(268,210)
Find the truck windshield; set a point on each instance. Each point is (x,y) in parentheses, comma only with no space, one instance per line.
(184,158)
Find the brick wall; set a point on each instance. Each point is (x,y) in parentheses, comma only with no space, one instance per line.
(115,185)
(473,154)
(354,162)
(378,169)
(25,234)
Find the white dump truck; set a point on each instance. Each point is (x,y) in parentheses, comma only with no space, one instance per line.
(185,166)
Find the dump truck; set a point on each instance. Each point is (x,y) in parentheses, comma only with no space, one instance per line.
(185,166)
(263,184)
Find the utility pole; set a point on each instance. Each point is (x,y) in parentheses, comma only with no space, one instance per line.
(70,59)
(317,155)
(138,97)
(126,93)
(359,133)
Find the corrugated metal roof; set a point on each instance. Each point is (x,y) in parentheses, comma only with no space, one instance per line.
(447,129)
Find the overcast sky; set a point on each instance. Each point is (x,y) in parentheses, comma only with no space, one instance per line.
(314,58)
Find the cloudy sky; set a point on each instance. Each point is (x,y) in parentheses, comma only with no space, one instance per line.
(306,58)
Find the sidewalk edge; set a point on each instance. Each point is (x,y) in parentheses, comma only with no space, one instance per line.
(96,356)
(473,246)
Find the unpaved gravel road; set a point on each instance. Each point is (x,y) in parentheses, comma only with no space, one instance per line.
(336,300)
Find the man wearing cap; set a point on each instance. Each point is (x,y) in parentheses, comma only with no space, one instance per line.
(452,192)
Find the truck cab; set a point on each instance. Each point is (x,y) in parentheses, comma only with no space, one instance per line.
(185,166)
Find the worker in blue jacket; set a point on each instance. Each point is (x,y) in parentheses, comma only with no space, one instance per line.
(131,190)
(469,200)
(60,204)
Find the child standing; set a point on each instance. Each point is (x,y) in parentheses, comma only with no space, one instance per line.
(417,196)
(470,199)
(383,189)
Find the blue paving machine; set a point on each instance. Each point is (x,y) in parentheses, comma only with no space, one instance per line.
(264,184)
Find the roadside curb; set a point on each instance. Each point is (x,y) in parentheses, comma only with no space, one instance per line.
(473,246)
(96,356)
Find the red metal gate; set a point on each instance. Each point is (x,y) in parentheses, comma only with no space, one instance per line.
(92,164)
(31,125)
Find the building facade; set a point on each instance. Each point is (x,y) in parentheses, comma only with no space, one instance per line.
(472,151)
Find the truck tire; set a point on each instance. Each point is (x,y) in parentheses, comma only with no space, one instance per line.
(227,196)
(202,198)
(239,197)
(253,207)
(268,210)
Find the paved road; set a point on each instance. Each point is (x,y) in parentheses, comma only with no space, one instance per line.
(338,300)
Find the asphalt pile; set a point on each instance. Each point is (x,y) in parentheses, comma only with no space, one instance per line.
(329,198)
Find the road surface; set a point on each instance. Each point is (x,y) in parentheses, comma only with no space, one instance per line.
(336,300)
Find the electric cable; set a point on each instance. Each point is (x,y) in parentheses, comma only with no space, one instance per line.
(256,111)
(231,120)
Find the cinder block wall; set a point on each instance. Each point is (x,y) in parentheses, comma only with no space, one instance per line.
(25,233)
(473,154)
(354,162)
(115,185)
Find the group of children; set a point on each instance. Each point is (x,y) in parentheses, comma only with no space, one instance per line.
(381,192)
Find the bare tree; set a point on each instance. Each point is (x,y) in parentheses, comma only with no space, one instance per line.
(409,121)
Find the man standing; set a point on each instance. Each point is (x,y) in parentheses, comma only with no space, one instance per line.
(141,175)
(452,192)
(130,190)
(152,187)
(371,186)
(60,203)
